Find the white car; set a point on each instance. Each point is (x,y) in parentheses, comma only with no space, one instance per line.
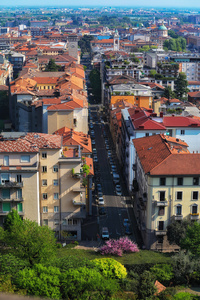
(105,233)
(101,201)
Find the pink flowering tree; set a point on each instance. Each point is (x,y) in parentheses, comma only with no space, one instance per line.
(118,247)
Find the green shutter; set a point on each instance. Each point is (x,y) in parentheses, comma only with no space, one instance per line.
(19,207)
(6,207)
(6,193)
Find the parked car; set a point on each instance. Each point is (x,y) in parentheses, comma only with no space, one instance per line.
(101,201)
(126,222)
(94,150)
(128,230)
(105,233)
(102,210)
(118,190)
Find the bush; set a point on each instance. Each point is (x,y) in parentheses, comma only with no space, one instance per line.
(167,294)
(9,264)
(183,296)
(110,268)
(118,247)
(163,273)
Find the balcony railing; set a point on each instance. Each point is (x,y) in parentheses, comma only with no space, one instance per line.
(194,216)
(178,217)
(78,202)
(161,203)
(161,232)
(11,184)
(4,213)
(11,199)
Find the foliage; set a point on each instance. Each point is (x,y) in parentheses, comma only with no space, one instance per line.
(118,247)
(162,272)
(146,285)
(167,294)
(191,241)
(4,105)
(178,44)
(70,262)
(168,93)
(183,296)
(152,73)
(181,85)
(84,43)
(9,264)
(110,268)
(84,283)
(12,220)
(28,240)
(52,66)
(172,34)
(95,82)
(86,169)
(40,281)
(183,266)
(176,231)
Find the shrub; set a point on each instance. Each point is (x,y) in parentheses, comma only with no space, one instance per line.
(163,272)
(118,247)
(183,296)
(110,268)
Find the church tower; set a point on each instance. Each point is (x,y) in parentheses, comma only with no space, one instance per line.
(73,45)
(116,41)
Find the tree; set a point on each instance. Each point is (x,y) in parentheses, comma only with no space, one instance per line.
(28,240)
(181,85)
(191,241)
(12,220)
(52,66)
(40,281)
(163,272)
(146,285)
(183,266)
(176,231)
(95,81)
(152,73)
(168,93)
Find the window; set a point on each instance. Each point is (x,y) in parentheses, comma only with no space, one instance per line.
(25,158)
(55,196)
(182,132)
(64,221)
(195,195)
(45,222)
(56,222)
(5,193)
(55,168)
(56,209)
(147,134)
(75,222)
(5,178)
(163,181)
(194,209)
(161,225)
(179,196)
(44,182)
(69,221)
(19,194)
(44,169)
(195,180)
(44,155)
(75,122)
(162,196)
(180,181)
(160,239)
(19,207)
(6,207)
(6,160)
(161,211)
(45,209)
(19,178)
(44,196)
(55,182)
(179,210)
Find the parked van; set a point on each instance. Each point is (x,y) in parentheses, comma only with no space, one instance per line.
(105,233)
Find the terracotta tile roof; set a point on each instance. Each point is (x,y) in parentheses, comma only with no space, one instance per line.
(194,94)
(152,85)
(160,287)
(121,79)
(70,105)
(179,121)
(89,162)
(194,82)
(71,137)
(142,121)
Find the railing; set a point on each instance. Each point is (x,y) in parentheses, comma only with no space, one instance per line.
(4,213)
(161,232)
(161,203)
(78,202)
(11,184)
(11,199)
(194,216)
(178,217)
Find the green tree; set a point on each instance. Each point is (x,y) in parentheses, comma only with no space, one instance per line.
(40,281)
(162,272)
(10,264)
(84,283)
(95,82)
(152,73)
(176,231)
(168,93)
(183,266)
(52,66)
(28,240)
(183,296)
(12,220)
(146,285)
(110,268)
(181,86)
(191,241)
(172,34)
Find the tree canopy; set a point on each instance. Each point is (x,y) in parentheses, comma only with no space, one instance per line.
(181,86)
(52,66)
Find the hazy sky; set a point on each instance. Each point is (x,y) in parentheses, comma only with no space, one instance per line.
(152,3)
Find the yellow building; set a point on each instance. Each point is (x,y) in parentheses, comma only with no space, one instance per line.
(140,101)
(166,187)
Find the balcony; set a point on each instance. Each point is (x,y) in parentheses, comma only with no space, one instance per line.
(4,213)
(78,202)
(161,232)
(194,216)
(10,184)
(178,217)
(161,203)
(78,189)
(11,199)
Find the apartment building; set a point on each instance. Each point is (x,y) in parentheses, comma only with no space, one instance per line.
(166,187)
(43,180)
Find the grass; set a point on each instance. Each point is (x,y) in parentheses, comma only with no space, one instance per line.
(142,257)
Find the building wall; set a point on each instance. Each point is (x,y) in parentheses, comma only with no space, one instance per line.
(59,119)
(190,136)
